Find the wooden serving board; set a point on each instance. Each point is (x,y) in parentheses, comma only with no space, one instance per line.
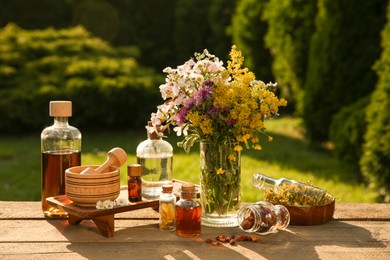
(104,218)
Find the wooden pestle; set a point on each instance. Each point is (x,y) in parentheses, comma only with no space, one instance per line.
(115,157)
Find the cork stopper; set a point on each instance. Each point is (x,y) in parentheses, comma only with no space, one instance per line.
(168,188)
(134,170)
(154,135)
(60,108)
(188,191)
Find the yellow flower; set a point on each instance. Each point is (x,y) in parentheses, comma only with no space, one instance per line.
(202,123)
(233,111)
(238,148)
(220,171)
(232,158)
(270,138)
(257,147)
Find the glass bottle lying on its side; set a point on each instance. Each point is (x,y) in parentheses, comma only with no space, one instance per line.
(290,192)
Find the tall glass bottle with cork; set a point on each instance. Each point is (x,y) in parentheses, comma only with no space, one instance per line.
(61,149)
(156,158)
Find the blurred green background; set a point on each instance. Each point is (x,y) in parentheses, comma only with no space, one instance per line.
(331,59)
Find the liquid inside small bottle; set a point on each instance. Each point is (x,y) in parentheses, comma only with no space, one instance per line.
(188,212)
(263,182)
(134,183)
(263,218)
(156,159)
(61,149)
(167,209)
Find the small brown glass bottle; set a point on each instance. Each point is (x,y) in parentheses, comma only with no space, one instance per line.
(134,182)
(188,212)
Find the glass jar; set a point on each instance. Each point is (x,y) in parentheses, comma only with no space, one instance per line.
(188,212)
(263,218)
(167,209)
(155,156)
(60,149)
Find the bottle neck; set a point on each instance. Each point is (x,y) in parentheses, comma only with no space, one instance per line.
(283,216)
(154,136)
(262,182)
(61,121)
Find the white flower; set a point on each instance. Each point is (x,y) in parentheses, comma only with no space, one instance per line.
(121,202)
(198,77)
(108,204)
(181,130)
(189,64)
(168,70)
(165,91)
(99,205)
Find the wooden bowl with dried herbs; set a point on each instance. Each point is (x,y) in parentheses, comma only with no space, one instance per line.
(307,205)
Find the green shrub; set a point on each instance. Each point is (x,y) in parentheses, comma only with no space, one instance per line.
(248,31)
(191,29)
(149,25)
(220,17)
(342,51)
(375,162)
(108,88)
(347,133)
(290,26)
(36,14)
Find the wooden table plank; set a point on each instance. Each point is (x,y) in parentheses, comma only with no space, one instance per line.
(362,211)
(185,250)
(147,230)
(128,243)
(17,209)
(354,234)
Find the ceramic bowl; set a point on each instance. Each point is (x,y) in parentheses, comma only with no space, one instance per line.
(87,189)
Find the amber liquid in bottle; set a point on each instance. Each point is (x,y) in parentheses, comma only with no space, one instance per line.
(135,189)
(188,221)
(54,164)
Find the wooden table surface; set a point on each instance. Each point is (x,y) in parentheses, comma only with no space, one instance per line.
(358,231)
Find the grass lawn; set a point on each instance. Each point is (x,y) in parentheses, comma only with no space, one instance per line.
(289,155)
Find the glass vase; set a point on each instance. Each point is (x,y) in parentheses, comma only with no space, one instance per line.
(220,179)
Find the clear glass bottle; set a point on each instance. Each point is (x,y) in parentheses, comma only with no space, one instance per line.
(188,212)
(263,218)
(167,209)
(134,182)
(262,182)
(156,158)
(61,149)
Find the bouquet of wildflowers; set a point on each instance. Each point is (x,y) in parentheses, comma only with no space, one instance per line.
(207,102)
(224,108)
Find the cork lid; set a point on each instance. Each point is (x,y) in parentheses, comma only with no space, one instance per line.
(154,135)
(134,170)
(168,188)
(60,108)
(188,191)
